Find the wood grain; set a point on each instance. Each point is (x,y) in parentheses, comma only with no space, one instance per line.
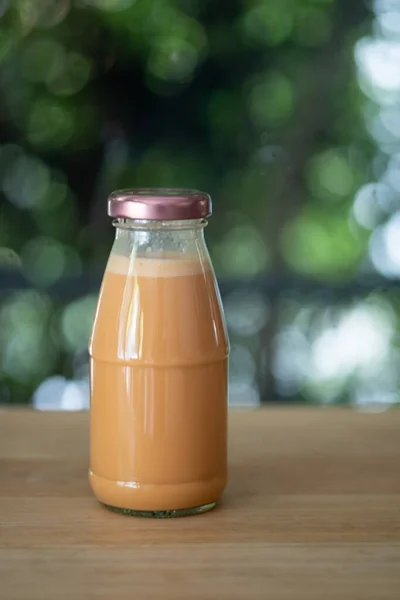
(312,511)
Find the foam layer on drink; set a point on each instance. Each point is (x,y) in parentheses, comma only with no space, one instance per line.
(166,265)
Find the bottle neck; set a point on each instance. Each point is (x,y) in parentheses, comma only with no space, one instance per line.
(147,225)
(141,237)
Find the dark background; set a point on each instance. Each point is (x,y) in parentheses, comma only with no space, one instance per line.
(287,112)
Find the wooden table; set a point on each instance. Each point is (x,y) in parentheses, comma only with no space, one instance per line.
(312,511)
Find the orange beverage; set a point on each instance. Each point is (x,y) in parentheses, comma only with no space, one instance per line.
(159,374)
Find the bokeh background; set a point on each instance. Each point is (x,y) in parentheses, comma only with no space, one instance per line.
(286,111)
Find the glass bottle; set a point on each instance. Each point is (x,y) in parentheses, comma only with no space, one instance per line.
(158,361)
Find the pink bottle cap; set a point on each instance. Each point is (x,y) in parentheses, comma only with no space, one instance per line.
(159,204)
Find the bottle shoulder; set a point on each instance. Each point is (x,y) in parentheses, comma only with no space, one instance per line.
(159,313)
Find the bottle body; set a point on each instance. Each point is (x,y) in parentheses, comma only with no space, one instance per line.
(158,355)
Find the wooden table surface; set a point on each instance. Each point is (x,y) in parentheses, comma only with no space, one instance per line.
(312,511)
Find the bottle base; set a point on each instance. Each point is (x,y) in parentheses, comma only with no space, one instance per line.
(160,500)
(162,514)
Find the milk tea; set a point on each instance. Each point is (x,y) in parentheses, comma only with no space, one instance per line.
(158,385)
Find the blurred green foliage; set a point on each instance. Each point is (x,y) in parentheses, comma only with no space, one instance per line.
(256,101)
